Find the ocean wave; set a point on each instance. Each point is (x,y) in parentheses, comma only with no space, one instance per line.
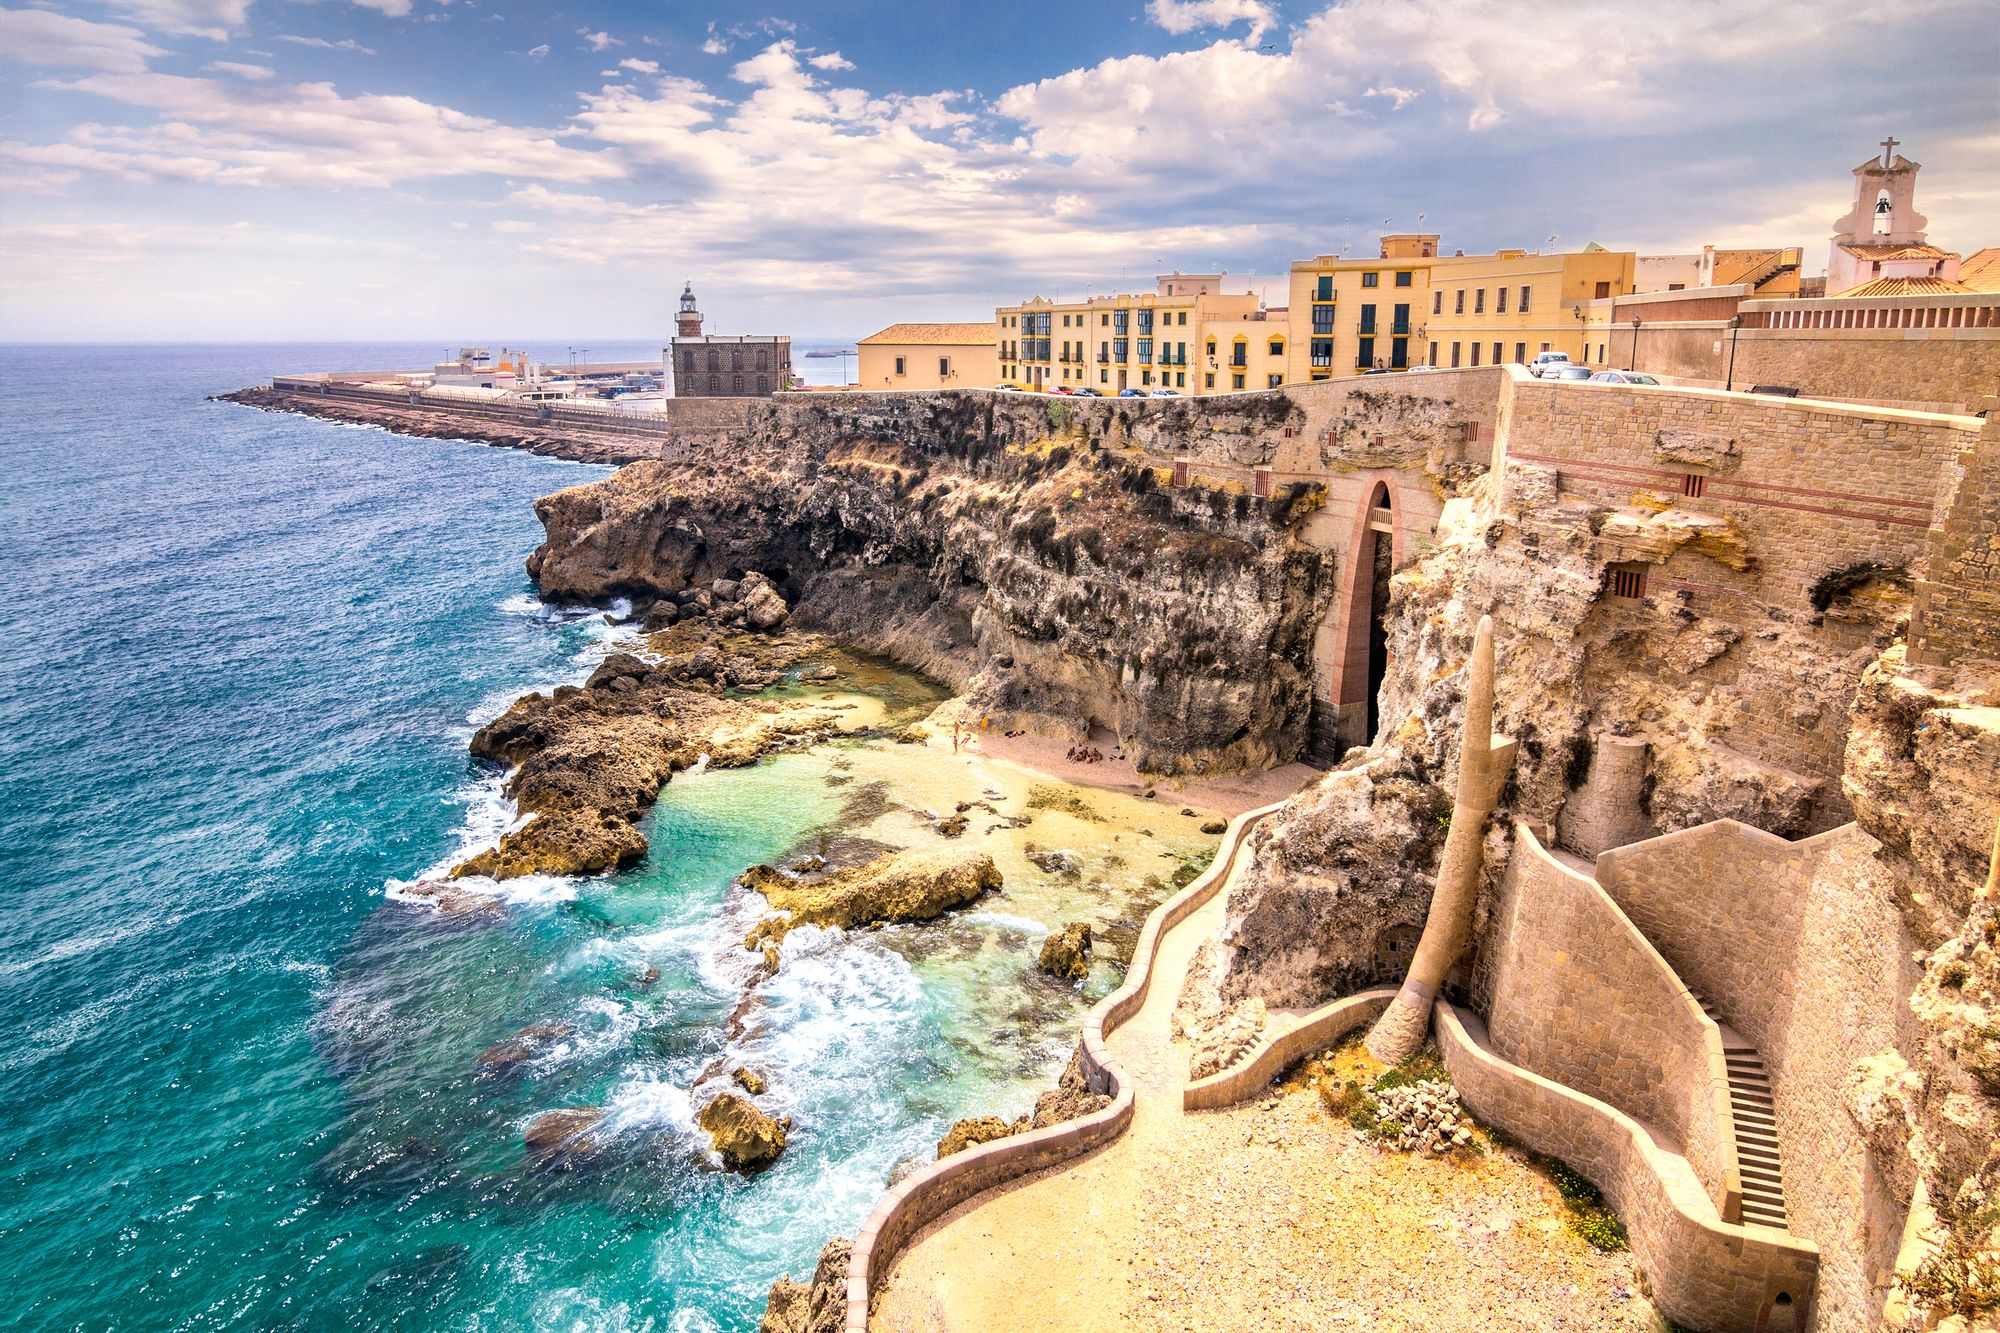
(1006,921)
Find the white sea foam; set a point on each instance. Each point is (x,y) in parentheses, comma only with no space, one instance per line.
(649,1102)
(1006,921)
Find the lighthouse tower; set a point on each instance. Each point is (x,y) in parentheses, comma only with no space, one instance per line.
(687,324)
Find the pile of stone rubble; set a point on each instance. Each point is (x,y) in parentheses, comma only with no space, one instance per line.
(1422,1117)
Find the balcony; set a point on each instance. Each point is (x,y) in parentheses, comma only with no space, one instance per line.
(1326,361)
(1367,329)
(1400,329)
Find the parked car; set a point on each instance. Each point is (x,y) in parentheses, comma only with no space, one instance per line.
(1422,370)
(1622,377)
(1130,393)
(1566,373)
(1088,393)
(1544,365)
(1063,389)
(1166,393)
(1379,370)
(1007,388)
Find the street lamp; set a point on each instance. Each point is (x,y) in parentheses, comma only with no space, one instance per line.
(1633,363)
(1735,323)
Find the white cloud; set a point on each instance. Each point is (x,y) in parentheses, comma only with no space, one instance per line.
(241,71)
(214,19)
(1183,16)
(598,41)
(344,44)
(638,66)
(37,37)
(536,52)
(830,60)
(516,226)
(1399,97)
(715,45)
(395,9)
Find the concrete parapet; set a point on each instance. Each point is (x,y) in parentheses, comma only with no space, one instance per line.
(1274,1055)
(1703,1271)
(937,1189)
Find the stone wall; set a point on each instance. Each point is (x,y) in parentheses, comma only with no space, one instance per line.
(1703,1273)
(1956,617)
(1574,992)
(1800,948)
(1274,1054)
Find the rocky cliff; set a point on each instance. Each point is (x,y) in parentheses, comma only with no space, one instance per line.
(1027,555)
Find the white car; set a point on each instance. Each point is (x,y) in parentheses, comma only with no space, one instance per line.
(1563,372)
(1544,366)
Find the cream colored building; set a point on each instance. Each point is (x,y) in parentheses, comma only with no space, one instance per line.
(1512,305)
(1352,315)
(1183,336)
(929,356)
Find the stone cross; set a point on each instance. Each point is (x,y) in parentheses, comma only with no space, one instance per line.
(1889,150)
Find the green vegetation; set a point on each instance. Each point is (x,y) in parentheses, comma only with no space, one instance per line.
(1588,1218)
(1349,1100)
(1962,1275)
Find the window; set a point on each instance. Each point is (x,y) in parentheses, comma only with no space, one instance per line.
(1458,302)
(1183,319)
(1211,347)
(1277,347)
(1454,355)
(1239,353)
(899,365)
(736,384)
(1103,351)
(1628,581)
(1371,280)
(1145,377)
(1322,318)
(763,360)
(1401,326)
(1676,286)
(1180,379)
(687,360)
(1693,485)
(1104,377)
(1523,307)
(1210,378)
(1496,354)
(1367,320)
(763,384)
(736,359)
(944,367)
(1500,301)
(1235,381)
(1399,353)
(1521,353)
(1364,357)
(1403,277)
(1324,291)
(1479,301)
(714,359)
(1322,351)
(1603,290)
(1475,353)
(1437,303)
(1275,380)
(1600,352)
(1434,355)
(715,384)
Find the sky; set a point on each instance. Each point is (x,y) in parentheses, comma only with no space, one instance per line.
(479,170)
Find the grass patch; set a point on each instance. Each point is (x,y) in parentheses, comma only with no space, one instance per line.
(1583,1203)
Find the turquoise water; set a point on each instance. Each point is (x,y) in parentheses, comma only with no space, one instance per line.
(242,654)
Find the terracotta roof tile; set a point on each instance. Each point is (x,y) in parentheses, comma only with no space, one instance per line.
(1907,287)
(957,335)
(1980,270)
(1897,251)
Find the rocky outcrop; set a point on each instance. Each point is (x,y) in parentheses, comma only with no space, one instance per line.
(818,1306)
(530,1043)
(1029,558)
(565,1137)
(1070,1099)
(1066,953)
(590,759)
(894,887)
(744,1137)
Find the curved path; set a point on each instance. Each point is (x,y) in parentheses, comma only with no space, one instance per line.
(1267,1215)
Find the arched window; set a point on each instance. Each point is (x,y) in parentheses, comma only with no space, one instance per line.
(714,359)
(763,359)
(1883,212)
(736,360)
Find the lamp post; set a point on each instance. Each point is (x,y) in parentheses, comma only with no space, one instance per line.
(1633,362)
(1583,334)
(1735,323)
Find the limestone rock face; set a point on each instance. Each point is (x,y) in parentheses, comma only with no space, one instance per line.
(818,1306)
(896,886)
(1071,1099)
(1066,953)
(747,1139)
(964,1134)
(1026,558)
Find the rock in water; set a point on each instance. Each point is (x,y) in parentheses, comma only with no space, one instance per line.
(748,1139)
(1058,862)
(964,1134)
(504,1057)
(1066,953)
(763,608)
(749,1080)
(896,886)
(564,1137)
(818,1307)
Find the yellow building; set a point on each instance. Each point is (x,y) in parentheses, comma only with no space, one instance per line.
(1513,304)
(929,356)
(1351,315)
(1183,336)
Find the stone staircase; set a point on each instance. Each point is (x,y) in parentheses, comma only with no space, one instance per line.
(1756,1126)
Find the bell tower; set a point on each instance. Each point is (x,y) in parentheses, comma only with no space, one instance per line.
(687,324)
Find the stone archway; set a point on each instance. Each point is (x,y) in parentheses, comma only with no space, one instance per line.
(1350,649)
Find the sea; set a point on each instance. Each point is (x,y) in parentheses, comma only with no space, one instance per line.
(239,665)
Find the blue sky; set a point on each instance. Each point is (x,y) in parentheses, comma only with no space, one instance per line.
(488,169)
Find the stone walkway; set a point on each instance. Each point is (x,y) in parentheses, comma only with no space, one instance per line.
(1266,1216)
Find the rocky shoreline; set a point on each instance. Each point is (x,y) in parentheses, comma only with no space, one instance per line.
(576,443)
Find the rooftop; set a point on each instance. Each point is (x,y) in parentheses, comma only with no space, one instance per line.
(1908,287)
(940,334)
(1980,271)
